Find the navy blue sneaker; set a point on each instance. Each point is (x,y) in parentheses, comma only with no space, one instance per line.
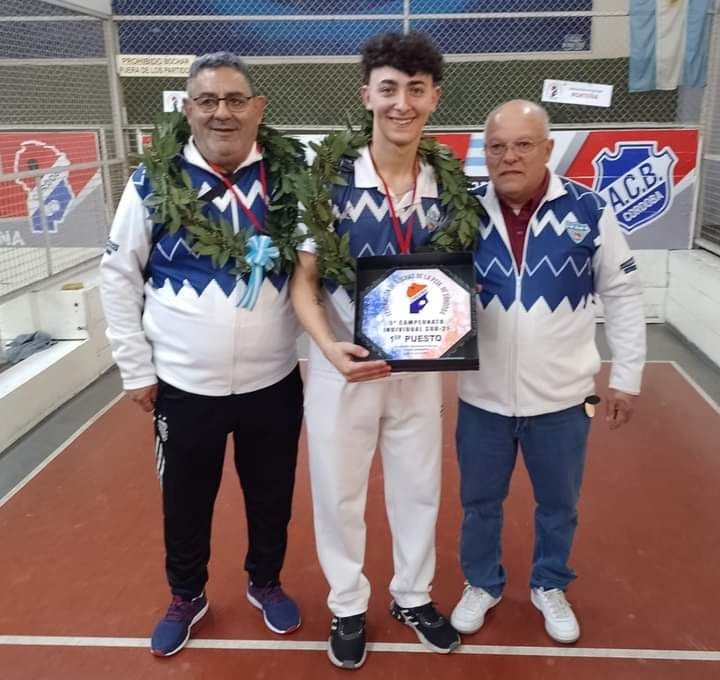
(281,614)
(433,630)
(346,646)
(173,631)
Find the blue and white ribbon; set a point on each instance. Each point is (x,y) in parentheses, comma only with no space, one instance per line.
(261,256)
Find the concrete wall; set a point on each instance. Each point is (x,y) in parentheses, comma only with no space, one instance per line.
(693,299)
(37,386)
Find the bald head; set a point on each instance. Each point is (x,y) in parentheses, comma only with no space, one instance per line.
(520,108)
(517,149)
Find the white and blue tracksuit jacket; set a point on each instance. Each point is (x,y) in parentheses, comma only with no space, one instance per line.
(183,324)
(536,323)
(361,208)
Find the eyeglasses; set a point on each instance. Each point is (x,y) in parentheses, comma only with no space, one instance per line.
(521,148)
(208,103)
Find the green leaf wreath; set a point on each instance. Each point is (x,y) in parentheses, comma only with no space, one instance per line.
(314,191)
(174,201)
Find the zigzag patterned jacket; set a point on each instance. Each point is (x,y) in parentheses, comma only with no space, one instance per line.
(361,208)
(536,327)
(183,324)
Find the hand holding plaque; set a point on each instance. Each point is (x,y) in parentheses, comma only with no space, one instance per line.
(417,311)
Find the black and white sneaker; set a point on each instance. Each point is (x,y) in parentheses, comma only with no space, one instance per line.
(346,646)
(432,629)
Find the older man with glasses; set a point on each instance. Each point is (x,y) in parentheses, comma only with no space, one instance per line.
(548,246)
(206,344)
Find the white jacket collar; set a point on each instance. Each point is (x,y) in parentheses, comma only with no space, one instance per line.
(192,155)
(555,189)
(367,178)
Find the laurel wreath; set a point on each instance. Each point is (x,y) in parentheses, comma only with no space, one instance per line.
(174,202)
(314,190)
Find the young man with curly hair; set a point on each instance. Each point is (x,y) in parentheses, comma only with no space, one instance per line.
(389,206)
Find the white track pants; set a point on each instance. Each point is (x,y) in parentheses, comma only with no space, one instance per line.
(345,423)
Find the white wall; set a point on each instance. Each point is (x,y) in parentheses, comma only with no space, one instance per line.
(653,270)
(35,387)
(693,299)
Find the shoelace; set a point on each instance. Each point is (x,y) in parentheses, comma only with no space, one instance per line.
(179,609)
(349,626)
(475,597)
(426,612)
(559,606)
(270,594)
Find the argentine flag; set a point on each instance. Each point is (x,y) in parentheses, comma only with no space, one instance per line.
(668,43)
(475,165)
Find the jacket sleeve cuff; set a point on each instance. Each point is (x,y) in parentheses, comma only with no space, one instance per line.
(139,383)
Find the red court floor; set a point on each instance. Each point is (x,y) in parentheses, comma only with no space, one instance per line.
(83,583)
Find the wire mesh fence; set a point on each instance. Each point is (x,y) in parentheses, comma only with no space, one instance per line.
(306,63)
(709,227)
(58,74)
(57,140)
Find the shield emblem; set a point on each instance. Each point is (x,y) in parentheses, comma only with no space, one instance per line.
(577,231)
(636,181)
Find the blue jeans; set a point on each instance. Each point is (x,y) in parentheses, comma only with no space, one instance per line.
(553,446)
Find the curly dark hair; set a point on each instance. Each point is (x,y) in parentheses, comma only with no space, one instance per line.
(410,53)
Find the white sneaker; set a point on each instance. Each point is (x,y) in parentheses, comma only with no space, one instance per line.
(469,614)
(560,622)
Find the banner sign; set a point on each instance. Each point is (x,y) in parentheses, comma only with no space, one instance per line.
(61,207)
(571,92)
(501,26)
(649,177)
(154,65)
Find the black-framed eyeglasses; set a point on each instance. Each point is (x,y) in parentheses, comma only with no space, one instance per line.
(208,103)
(521,148)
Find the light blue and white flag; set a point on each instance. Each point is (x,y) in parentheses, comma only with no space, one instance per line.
(475,164)
(669,42)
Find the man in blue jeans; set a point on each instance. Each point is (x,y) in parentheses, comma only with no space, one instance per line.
(548,246)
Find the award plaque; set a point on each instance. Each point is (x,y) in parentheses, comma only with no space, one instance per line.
(417,312)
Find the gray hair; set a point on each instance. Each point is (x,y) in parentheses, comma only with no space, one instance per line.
(530,107)
(217,60)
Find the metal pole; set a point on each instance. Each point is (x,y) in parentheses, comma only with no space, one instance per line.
(116,102)
(44,224)
(106,181)
(406,16)
(707,130)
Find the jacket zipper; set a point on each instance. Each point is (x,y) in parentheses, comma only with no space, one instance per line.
(518,301)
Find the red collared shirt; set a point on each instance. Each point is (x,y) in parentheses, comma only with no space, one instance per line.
(517,224)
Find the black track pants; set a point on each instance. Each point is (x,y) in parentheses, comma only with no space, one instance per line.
(191,435)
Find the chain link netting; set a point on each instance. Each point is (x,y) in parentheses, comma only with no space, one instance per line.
(709,231)
(307,65)
(55,66)
(56,129)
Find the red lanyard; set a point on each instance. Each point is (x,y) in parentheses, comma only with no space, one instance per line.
(405,239)
(232,188)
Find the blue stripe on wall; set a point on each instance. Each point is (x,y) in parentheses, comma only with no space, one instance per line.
(278,38)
